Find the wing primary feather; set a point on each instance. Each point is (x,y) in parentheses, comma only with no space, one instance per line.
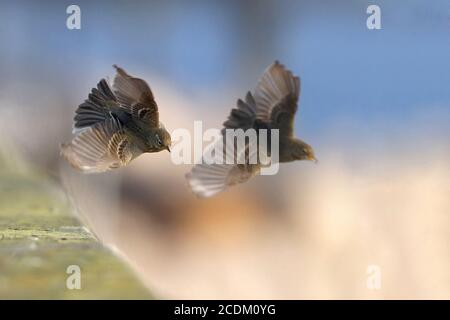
(99,148)
(275,84)
(135,95)
(96,108)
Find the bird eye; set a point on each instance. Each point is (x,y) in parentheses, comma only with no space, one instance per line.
(305,150)
(158,140)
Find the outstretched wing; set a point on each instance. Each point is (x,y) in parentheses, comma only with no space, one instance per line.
(276,97)
(135,95)
(99,148)
(207,180)
(97,108)
(243,116)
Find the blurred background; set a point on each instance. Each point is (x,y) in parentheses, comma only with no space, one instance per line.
(375,105)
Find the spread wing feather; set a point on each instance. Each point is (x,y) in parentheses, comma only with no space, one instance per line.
(99,148)
(96,109)
(135,95)
(276,97)
(243,116)
(206,180)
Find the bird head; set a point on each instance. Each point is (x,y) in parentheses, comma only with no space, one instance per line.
(303,151)
(163,139)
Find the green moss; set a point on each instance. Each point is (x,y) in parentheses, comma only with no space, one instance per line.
(31,270)
(39,239)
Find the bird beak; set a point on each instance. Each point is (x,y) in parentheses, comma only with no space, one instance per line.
(168,148)
(313,158)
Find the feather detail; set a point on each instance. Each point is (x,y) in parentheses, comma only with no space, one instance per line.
(96,108)
(206,180)
(100,148)
(135,94)
(275,84)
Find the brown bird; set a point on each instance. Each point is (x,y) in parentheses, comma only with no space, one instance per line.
(272,105)
(113,127)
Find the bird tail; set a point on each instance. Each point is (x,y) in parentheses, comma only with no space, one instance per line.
(96,108)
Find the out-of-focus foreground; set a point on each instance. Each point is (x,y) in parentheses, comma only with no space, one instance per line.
(41,242)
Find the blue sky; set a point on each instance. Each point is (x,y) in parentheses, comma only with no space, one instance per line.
(348,72)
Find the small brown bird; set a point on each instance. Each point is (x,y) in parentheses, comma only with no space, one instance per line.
(272,105)
(113,127)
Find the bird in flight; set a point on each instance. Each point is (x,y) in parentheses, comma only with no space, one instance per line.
(272,105)
(115,126)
